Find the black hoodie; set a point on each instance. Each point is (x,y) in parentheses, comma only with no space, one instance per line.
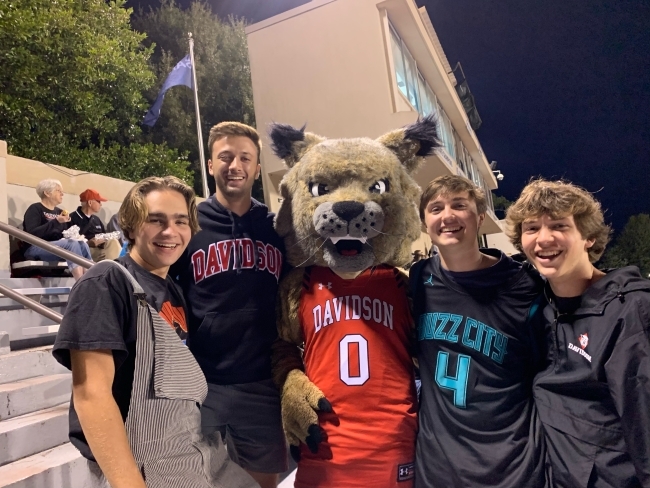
(594,395)
(231,295)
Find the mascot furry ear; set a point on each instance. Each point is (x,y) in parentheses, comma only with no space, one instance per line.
(413,142)
(289,143)
(409,144)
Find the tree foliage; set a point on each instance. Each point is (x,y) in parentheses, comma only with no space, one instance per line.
(500,203)
(222,72)
(71,84)
(632,247)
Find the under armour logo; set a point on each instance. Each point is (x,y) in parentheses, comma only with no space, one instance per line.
(429,281)
(405,472)
(328,286)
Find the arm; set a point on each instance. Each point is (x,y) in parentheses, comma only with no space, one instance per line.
(100,418)
(628,377)
(49,231)
(300,398)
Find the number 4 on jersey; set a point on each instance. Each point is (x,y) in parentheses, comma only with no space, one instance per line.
(458,383)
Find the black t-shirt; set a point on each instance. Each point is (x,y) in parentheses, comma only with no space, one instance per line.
(567,305)
(102,314)
(477,357)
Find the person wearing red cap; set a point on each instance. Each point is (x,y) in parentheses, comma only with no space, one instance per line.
(90,225)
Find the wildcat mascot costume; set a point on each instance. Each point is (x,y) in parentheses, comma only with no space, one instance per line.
(343,360)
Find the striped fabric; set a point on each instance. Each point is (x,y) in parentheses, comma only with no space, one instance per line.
(164,422)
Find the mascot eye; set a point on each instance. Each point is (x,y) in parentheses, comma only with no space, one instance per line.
(318,189)
(379,187)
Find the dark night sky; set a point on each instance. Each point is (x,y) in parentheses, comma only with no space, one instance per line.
(562,86)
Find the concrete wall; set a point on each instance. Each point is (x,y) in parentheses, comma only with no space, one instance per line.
(18,178)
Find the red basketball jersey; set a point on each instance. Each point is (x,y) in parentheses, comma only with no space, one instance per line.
(357,351)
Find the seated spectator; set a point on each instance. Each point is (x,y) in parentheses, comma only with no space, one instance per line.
(90,225)
(114,226)
(45,220)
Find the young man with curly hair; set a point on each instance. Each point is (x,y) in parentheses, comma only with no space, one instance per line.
(477,354)
(594,395)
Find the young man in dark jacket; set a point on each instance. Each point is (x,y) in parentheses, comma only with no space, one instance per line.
(477,352)
(229,275)
(594,396)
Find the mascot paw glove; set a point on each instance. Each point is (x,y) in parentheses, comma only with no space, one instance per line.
(301,399)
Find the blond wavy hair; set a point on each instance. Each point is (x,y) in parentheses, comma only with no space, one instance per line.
(134,211)
(559,199)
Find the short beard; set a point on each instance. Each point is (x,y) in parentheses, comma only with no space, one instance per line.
(222,188)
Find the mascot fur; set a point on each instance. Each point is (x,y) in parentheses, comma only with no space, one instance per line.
(348,218)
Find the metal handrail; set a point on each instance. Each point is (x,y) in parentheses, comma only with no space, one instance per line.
(62,253)
(30,303)
(38,242)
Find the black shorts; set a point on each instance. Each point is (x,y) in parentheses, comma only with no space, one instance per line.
(248,417)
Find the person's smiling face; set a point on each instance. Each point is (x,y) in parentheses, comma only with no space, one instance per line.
(234,165)
(555,247)
(452,220)
(164,235)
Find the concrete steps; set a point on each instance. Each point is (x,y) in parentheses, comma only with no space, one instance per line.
(20,365)
(34,402)
(33,433)
(59,467)
(32,394)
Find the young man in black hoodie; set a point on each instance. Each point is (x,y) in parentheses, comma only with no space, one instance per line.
(229,275)
(594,395)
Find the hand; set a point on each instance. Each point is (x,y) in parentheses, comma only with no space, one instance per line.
(96,242)
(301,399)
(62,219)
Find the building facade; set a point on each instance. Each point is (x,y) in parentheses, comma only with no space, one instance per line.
(360,68)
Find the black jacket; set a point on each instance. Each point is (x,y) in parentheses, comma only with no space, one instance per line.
(594,395)
(89,227)
(231,295)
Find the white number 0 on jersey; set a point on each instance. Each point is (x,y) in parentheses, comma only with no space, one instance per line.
(344,360)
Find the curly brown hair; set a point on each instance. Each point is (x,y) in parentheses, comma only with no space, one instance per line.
(451,185)
(133,211)
(559,199)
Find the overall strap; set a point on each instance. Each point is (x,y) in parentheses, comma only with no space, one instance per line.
(137,289)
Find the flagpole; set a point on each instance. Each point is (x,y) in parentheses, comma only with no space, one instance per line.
(204,176)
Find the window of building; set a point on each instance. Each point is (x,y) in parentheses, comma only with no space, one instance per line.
(400,71)
(413,86)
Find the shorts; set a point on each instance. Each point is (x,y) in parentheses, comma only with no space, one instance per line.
(248,417)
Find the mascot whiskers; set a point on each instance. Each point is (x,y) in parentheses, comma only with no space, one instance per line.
(343,360)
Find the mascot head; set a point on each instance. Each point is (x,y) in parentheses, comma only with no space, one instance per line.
(349,204)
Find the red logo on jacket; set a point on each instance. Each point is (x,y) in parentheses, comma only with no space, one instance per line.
(584,340)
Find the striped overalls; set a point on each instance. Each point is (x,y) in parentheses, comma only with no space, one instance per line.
(164,422)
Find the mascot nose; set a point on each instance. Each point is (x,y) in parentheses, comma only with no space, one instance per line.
(348,210)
